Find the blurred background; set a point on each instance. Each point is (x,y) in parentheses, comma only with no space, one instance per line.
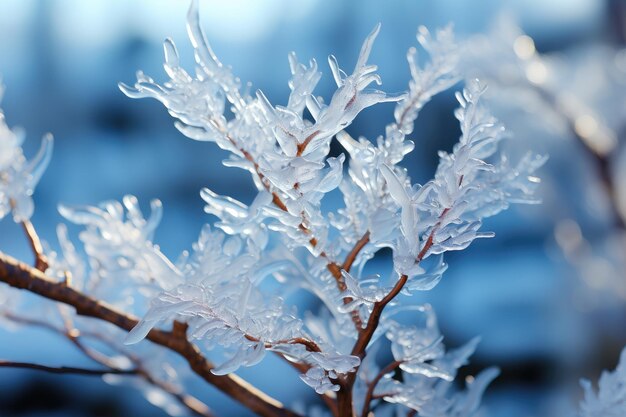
(547,295)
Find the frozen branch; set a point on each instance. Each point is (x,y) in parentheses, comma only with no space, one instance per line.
(22,276)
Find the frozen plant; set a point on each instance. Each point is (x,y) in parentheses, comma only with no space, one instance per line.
(213,302)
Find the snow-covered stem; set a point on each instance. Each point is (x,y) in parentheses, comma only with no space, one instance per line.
(332,267)
(367,333)
(22,276)
(358,246)
(66,369)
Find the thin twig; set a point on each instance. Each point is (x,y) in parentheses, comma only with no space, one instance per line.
(372,385)
(309,345)
(360,244)
(410,106)
(189,401)
(41,262)
(66,369)
(74,336)
(374,319)
(302,146)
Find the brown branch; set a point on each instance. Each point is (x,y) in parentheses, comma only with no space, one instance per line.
(310,345)
(331,404)
(344,399)
(332,267)
(302,146)
(360,244)
(179,329)
(66,369)
(369,395)
(365,336)
(41,262)
(374,319)
(73,335)
(22,276)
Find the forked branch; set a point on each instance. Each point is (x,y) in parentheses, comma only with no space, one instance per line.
(22,276)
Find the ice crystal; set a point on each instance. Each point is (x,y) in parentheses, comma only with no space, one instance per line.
(427,371)
(19,177)
(118,242)
(439,74)
(445,214)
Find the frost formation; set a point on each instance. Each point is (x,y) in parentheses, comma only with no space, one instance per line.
(283,236)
